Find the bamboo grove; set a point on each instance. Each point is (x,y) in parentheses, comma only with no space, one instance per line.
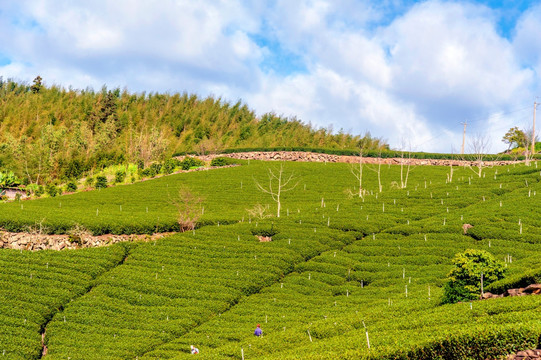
(49,133)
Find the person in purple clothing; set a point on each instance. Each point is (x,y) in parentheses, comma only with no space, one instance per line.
(258,331)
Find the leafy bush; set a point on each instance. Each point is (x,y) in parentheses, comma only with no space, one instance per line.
(265,231)
(190,162)
(149,172)
(120,176)
(221,161)
(170,165)
(71,186)
(101,182)
(9,179)
(465,278)
(40,190)
(52,190)
(89,181)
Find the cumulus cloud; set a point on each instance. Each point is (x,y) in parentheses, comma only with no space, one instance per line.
(527,45)
(400,71)
(107,39)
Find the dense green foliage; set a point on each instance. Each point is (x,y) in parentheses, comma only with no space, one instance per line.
(471,268)
(339,266)
(48,133)
(36,286)
(9,179)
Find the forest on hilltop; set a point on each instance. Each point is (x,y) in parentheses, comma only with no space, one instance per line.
(49,132)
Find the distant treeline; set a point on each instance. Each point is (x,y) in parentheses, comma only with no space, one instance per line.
(48,133)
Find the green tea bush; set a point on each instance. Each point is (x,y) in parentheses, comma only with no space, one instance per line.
(170,165)
(222,161)
(120,176)
(190,162)
(52,190)
(71,186)
(89,181)
(101,182)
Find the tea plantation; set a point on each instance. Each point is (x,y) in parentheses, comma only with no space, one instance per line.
(344,277)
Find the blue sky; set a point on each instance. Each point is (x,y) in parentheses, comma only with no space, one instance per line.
(407,71)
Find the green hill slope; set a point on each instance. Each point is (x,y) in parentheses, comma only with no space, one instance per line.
(341,273)
(47,132)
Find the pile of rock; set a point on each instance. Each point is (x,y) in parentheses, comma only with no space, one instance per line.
(262,238)
(533,289)
(526,355)
(318,157)
(34,242)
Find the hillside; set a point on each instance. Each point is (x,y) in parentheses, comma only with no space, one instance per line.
(344,277)
(46,131)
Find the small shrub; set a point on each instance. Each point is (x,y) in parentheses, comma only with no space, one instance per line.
(89,181)
(156,168)
(190,162)
(149,172)
(40,190)
(101,182)
(52,190)
(75,239)
(120,176)
(170,165)
(71,186)
(220,161)
(265,231)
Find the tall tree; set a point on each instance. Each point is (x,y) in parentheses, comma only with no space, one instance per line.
(515,137)
(37,85)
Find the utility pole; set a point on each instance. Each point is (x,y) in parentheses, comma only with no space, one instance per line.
(533,128)
(464,137)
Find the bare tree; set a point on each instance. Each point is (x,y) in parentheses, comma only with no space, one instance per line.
(479,147)
(451,169)
(407,161)
(151,145)
(357,171)
(188,208)
(528,145)
(377,170)
(278,184)
(259,211)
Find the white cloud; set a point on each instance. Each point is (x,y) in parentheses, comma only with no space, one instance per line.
(104,38)
(527,45)
(415,76)
(451,51)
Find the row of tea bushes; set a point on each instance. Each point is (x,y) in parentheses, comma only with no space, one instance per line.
(37,285)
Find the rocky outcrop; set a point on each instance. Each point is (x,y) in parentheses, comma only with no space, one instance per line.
(318,157)
(262,238)
(533,289)
(34,242)
(466,227)
(526,355)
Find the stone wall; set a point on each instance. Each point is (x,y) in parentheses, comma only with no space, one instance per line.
(317,157)
(526,355)
(25,241)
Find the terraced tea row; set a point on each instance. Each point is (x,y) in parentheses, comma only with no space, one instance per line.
(337,263)
(391,284)
(37,285)
(168,287)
